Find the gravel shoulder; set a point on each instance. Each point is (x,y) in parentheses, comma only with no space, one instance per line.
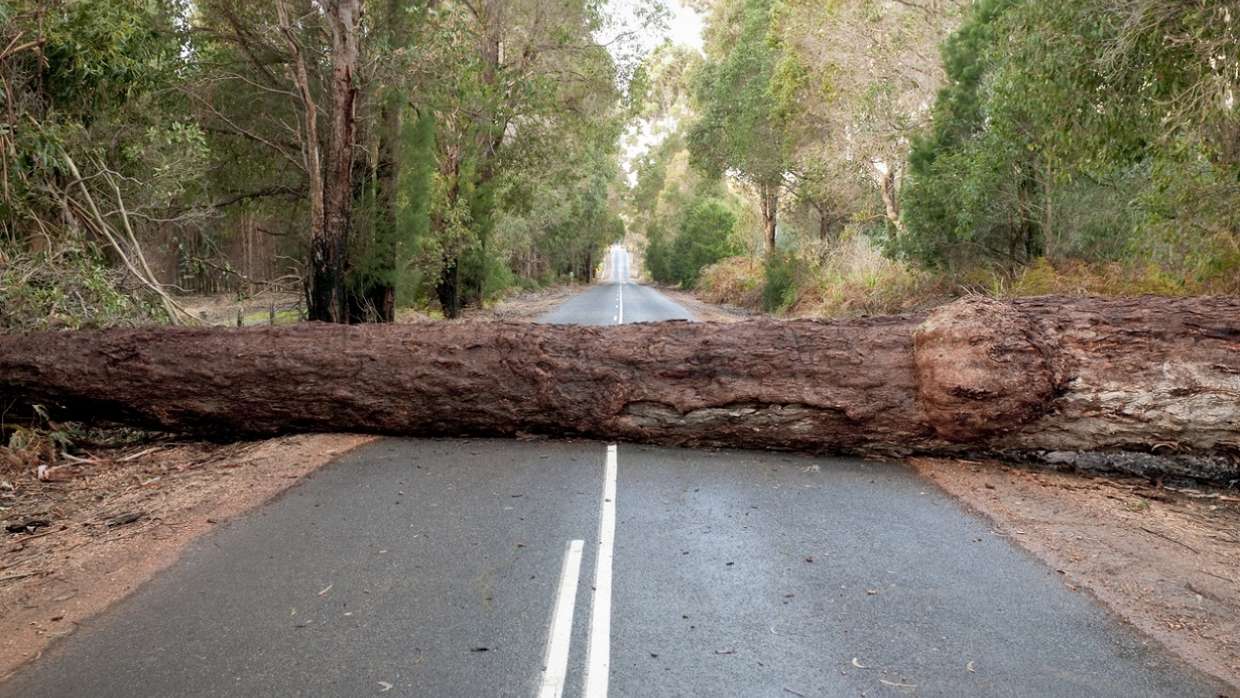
(706,312)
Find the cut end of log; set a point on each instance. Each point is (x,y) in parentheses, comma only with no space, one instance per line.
(983,368)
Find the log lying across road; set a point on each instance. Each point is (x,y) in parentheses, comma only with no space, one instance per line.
(1059,377)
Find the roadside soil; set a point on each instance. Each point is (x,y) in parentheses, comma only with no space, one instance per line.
(1164,559)
(707,312)
(525,306)
(90,532)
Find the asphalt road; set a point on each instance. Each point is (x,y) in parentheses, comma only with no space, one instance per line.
(499,568)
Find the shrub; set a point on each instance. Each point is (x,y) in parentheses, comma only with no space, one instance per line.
(779,292)
(737,281)
(71,287)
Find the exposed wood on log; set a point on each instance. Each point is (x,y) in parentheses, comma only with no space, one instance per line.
(1147,375)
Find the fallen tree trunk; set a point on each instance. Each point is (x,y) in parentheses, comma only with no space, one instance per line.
(1052,376)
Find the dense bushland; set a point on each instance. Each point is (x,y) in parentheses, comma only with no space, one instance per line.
(916,151)
(371,153)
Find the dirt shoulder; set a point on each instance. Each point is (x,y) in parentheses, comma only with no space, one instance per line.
(704,311)
(1163,559)
(525,306)
(522,306)
(91,532)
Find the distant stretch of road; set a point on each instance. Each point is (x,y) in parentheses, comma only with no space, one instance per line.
(501,568)
(617,300)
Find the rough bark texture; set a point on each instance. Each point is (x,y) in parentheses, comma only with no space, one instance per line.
(1138,383)
(891,202)
(329,251)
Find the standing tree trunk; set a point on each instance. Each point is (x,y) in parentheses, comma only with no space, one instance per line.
(310,142)
(826,220)
(329,251)
(769,194)
(891,201)
(448,290)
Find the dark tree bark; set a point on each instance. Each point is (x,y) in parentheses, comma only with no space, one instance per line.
(979,376)
(769,199)
(448,290)
(329,250)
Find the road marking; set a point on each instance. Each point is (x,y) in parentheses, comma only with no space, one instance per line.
(598,652)
(555,662)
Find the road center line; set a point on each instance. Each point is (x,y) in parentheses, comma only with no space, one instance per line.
(598,652)
(555,661)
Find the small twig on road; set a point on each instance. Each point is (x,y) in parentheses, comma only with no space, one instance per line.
(1169,538)
(139,454)
(15,577)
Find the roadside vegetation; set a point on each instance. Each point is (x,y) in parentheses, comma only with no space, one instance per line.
(835,158)
(882,157)
(361,155)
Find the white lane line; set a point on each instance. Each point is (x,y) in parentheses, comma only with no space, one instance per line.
(555,661)
(620,306)
(598,652)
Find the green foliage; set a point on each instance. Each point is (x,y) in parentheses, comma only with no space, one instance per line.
(704,236)
(72,287)
(739,128)
(102,53)
(1063,132)
(780,281)
(384,257)
(527,141)
(92,80)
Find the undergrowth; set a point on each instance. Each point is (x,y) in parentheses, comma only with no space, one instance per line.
(68,287)
(853,278)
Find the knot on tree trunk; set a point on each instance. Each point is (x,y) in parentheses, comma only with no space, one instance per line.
(983,367)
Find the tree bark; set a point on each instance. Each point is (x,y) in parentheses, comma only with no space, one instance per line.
(311,157)
(1144,376)
(769,195)
(329,251)
(891,202)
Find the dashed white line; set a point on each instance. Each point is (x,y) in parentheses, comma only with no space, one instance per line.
(555,662)
(598,651)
